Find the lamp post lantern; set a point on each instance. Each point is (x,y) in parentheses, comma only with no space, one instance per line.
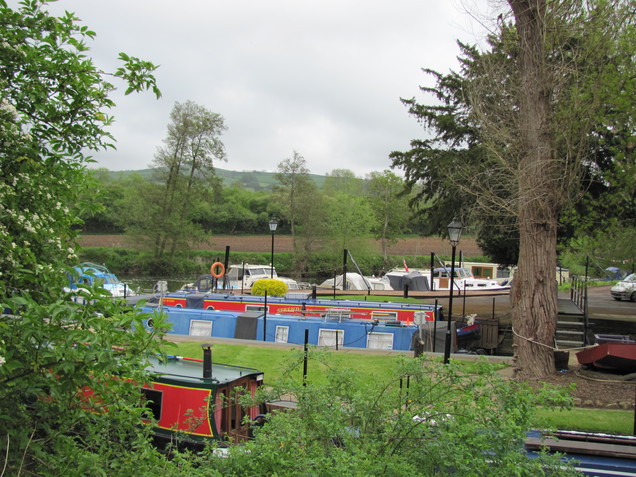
(272,228)
(454,234)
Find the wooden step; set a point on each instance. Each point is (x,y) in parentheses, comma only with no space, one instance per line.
(569,323)
(568,343)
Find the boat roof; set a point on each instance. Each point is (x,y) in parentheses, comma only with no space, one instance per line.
(93,268)
(294,299)
(190,370)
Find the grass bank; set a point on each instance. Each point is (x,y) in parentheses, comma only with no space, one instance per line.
(381,366)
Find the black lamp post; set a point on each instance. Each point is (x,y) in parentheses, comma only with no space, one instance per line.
(272,228)
(454,233)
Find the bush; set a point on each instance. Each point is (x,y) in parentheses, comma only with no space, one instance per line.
(272,286)
(425,419)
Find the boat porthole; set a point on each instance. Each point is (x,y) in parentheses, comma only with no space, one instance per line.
(151,323)
(178,305)
(210,308)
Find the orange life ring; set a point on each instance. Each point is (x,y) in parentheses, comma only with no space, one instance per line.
(220,273)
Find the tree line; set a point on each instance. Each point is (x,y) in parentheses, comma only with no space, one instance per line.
(183,202)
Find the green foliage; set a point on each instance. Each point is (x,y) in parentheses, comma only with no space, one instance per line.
(425,419)
(350,221)
(52,351)
(53,104)
(390,207)
(612,246)
(272,286)
(470,165)
(162,211)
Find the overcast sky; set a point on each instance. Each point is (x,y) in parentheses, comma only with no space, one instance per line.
(320,77)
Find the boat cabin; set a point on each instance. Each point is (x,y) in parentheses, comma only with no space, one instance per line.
(195,400)
(491,271)
(89,274)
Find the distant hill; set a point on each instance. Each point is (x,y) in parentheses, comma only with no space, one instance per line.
(253,180)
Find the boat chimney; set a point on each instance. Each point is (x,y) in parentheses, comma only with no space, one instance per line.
(207,361)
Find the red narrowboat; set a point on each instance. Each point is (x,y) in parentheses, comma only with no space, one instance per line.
(196,400)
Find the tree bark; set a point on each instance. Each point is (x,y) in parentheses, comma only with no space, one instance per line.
(534,292)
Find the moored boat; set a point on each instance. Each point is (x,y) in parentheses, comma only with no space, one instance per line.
(237,277)
(355,281)
(592,454)
(88,274)
(303,305)
(195,400)
(440,279)
(617,356)
(333,328)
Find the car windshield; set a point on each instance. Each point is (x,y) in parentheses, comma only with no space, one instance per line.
(630,278)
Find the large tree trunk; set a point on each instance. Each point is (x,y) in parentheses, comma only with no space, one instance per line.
(534,293)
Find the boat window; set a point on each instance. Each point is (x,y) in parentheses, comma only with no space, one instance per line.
(329,338)
(205,284)
(256,308)
(282,333)
(380,340)
(482,272)
(339,313)
(384,315)
(152,399)
(503,273)
(259,271)
(200,328)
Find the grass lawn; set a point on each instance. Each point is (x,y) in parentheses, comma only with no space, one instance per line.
(589,420)
(270,360)
(381,366)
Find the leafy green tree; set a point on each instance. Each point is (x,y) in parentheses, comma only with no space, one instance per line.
(53,106)
(504,160)
(107,198)
(302,207)
(294,180)
(311,232)
(236,210)
(343,181)
(350,221)
(190,149)
(427,420)
(389,206)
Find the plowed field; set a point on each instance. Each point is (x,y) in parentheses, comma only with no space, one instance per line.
(283,243)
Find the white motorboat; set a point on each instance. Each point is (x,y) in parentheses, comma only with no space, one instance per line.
(355,281)
(239,277)
(463,280)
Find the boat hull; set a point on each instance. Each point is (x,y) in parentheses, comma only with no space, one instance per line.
(330,330)
(304,306)
(611,356)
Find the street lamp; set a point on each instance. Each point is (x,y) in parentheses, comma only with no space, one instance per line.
(272,228)
(454,233)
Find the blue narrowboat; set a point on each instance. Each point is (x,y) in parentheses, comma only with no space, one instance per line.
(333,329)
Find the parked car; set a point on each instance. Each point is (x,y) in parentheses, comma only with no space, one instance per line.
(625,289)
